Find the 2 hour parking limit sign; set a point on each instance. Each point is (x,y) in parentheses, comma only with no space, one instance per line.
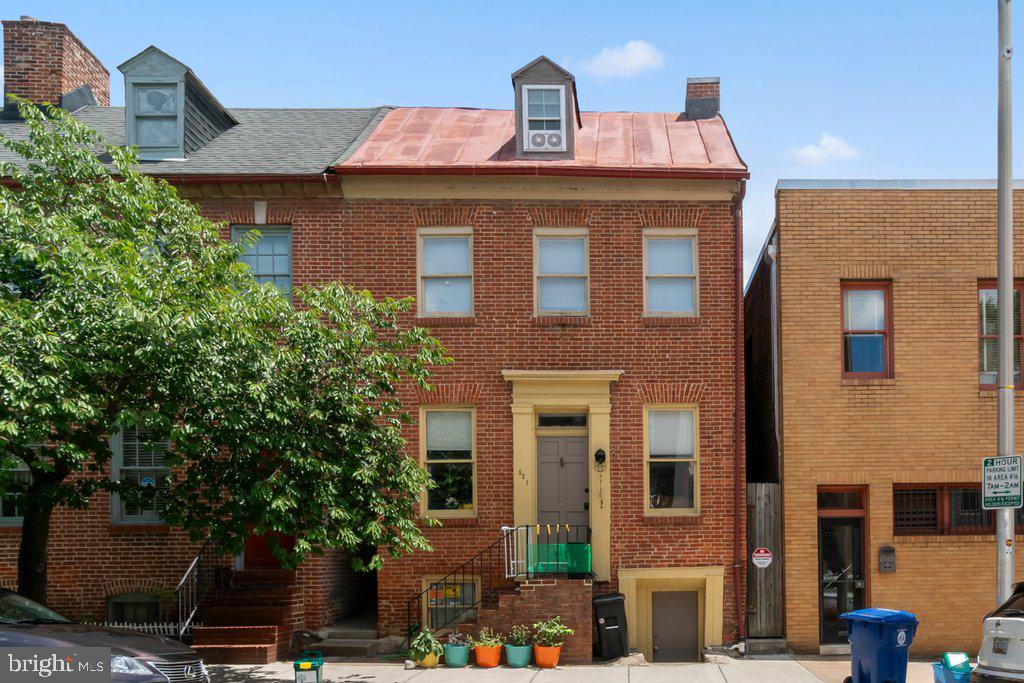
(1001,482)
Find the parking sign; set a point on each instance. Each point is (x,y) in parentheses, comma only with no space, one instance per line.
(1001,482)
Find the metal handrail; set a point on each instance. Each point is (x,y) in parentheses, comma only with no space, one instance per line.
(192,589)
(518,552)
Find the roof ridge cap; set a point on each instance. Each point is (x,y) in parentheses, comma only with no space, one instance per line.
(358,141)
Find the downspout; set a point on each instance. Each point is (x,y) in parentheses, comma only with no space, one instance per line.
(772,254)
(739,506)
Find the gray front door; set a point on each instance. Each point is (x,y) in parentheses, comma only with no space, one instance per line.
(562,493)
(674,626)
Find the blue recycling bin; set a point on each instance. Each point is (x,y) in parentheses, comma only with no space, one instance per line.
(879,644)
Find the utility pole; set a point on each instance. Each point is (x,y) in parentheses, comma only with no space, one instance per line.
(1004,301)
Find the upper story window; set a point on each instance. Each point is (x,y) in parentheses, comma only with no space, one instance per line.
(561,272)
(867,329)
(988,331)
(136,457)
(445,271)
(156,119)
(670,272)
(271,256)
(544,115)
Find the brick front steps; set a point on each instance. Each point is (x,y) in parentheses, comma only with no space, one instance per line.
(249,620)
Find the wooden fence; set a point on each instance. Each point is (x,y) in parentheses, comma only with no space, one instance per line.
(765,593)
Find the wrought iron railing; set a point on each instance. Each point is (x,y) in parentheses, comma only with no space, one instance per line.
(520,552)
(193,587)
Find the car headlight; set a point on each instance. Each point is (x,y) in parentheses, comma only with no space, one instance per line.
(128,665)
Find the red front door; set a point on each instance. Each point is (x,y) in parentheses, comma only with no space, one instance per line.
(258,552)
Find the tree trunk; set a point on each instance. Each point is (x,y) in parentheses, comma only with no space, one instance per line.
(35,537)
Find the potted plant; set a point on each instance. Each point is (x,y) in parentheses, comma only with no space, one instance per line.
(548,637)
(456,650)
(425,649)
(487,647)
(517,647)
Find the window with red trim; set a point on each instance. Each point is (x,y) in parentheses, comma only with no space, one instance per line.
(867,329)
(988,331)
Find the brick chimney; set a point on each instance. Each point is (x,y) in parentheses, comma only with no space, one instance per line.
(44,62)
(703,98)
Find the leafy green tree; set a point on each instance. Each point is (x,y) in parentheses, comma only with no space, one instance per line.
(120,305)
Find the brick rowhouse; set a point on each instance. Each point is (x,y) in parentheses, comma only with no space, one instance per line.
(909,445)
(410,173)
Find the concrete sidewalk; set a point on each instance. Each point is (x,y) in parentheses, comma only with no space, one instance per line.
(759,670)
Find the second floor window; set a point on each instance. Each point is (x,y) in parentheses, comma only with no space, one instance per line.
(670,273)
(988,332)
(138,458)
(446,272)
(561,272)
(271,257)
(867,329)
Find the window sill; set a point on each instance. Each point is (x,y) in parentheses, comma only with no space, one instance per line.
(162,529)
(992,392)
(447,321)
(682,518)
(868,382)
(450,522)
(10,529)
(562,320)
(671,321)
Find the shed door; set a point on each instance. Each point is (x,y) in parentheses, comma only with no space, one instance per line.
(562,491)
(674,626)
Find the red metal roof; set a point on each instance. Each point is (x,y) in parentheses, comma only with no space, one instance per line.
(427,140)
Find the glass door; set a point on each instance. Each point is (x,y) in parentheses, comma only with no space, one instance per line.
(841,560)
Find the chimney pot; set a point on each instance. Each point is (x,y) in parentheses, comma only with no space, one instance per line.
(703,98)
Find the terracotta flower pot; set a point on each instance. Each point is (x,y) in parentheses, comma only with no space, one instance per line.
(546,657)
(488,657)
(428,662)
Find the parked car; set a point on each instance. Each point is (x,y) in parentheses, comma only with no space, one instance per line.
(134,657)
(1001,657)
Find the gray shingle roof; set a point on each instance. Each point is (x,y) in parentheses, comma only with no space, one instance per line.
(265,141)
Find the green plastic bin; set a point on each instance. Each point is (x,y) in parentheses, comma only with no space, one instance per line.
(309,667)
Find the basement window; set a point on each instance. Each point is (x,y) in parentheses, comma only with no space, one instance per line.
(133,608)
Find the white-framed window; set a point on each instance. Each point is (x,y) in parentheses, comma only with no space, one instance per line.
(17,473)
(448,599)
(136,457)
(544,118)
(670,272)
(671,460)
(134,608)
(155,117)
(271,256)
(445,258)
(447,450)
(561,266)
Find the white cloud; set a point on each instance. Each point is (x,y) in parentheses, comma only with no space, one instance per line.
(624,60)
(829,148)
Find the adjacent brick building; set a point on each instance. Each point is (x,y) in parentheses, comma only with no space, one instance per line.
(885,308)
(583,270)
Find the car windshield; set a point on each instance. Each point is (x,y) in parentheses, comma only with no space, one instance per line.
(1014,607)
(15,609)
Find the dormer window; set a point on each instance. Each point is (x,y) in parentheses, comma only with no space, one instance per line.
(157,120)
(545,118)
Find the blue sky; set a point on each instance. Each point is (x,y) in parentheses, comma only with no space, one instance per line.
(823,89)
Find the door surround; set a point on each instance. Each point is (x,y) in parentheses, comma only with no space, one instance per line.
(536,391)
(637,585)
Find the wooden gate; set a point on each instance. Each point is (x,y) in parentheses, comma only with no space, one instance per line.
(765,599)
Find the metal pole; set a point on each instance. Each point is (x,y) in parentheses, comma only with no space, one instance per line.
(1004,516)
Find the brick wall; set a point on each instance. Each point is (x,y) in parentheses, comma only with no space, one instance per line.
(44,60)
(540,600)
(372,244)
(703,88)
(929,424)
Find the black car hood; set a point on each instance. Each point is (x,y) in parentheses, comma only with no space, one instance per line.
(120,642)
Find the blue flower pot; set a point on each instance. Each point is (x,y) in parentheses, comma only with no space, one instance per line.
(456,656)
(518,656)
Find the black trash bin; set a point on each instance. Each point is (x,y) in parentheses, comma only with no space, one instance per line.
(610,629)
